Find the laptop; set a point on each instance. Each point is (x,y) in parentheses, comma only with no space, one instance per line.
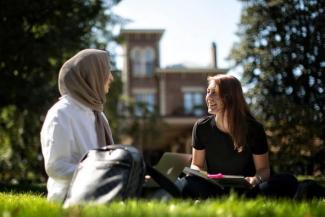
(171,165)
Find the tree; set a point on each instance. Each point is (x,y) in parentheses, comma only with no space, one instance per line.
(282,53)
(36,38)
(141,126)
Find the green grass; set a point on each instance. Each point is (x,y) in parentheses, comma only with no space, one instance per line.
(31,205)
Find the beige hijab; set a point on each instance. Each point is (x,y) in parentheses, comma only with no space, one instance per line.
(83,77)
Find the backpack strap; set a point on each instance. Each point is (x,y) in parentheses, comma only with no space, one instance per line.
(163,181)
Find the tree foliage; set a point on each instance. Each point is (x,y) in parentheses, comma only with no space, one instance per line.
(143,128)
(282,53)
(36,38)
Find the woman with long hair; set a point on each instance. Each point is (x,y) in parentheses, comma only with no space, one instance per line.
(229,141)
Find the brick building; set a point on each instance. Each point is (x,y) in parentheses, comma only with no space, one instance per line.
(176,93)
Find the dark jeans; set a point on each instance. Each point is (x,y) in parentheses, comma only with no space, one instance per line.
(280,185)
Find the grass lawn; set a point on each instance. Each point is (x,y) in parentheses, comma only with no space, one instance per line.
(31,205)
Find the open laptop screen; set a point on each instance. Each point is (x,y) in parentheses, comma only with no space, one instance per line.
(171,165)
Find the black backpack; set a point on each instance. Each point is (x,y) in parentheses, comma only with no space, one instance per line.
(113,172)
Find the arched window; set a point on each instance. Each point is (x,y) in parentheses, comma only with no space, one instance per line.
(149,55)
(136,59)
(142,60)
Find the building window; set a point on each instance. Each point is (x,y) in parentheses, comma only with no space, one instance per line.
(149,61)
(142,60)
(136,57)
(193,103)
(144,103)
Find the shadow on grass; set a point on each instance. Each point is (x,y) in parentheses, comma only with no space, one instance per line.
(23,188)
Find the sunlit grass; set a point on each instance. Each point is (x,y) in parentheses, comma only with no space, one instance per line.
(36,206)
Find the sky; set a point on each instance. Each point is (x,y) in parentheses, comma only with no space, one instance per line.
(190,28)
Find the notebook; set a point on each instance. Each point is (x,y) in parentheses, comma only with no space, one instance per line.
(170,165)
(220,180)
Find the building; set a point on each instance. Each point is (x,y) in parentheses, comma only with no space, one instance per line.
(176,93)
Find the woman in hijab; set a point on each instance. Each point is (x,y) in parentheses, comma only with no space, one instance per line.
(76,123)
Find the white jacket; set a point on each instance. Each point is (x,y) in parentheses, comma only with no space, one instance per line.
(67,134)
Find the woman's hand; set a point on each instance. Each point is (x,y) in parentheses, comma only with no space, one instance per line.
(253,180)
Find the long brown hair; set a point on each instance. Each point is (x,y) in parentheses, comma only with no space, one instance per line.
(235,110)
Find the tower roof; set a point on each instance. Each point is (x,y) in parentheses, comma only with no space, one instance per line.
(142,33)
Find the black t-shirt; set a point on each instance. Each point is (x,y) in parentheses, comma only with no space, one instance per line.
(219,147)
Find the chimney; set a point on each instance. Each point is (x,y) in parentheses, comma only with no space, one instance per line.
(214,55)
